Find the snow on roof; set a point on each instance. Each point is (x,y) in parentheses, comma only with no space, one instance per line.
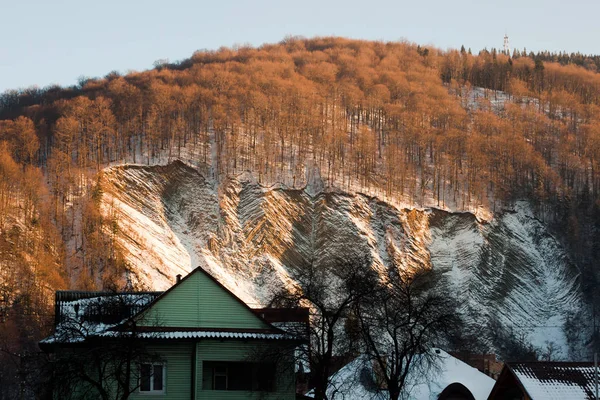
(99,306)
(425,382)
(79,315)
(214,334)
(84,315)
(556,380)
(108,331)
(446,371)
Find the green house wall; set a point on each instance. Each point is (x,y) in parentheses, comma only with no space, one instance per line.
(177,358)
(199,302)
(214,350)
(180,365)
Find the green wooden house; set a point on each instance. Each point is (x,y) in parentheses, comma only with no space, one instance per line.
(196,340)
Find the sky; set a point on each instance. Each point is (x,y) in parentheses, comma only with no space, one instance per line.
(46,42)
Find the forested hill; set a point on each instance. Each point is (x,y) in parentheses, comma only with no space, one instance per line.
(414,125)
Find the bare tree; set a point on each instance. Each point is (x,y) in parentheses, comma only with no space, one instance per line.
(400,322)
(330,293)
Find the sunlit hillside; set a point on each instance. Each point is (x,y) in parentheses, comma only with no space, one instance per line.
(414,126)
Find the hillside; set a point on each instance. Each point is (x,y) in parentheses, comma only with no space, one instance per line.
(482,167)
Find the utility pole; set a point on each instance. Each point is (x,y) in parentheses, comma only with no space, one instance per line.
(506,48)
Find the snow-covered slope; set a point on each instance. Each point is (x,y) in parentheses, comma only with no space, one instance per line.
(509,271)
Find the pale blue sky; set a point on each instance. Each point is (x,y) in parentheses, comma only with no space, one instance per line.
(55,41)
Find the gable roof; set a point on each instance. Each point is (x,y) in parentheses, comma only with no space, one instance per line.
(83,315)
(552,380)
(201,270)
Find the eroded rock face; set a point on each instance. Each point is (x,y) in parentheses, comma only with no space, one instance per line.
(509,271)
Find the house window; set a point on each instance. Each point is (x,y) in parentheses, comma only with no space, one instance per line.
(152,378)
(218,375)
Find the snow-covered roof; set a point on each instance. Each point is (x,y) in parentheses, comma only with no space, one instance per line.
(84,315)
(176,334)
(99,307)
(446,371)
(556,380)
(183,334)
(425,382)
(80,315)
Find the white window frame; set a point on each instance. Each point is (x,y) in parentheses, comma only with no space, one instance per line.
(152,392)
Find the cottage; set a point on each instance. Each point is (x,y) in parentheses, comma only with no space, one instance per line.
(196,340)
(545,380)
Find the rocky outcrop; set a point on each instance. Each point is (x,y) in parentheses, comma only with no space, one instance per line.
(510,273)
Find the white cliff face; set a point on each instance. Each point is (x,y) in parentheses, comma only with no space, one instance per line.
(510,271)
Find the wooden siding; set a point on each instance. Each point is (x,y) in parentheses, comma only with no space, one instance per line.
(180,370)
(200,302)
(215,350)
(177,359)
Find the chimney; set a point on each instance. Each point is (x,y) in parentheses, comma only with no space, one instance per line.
(178,278)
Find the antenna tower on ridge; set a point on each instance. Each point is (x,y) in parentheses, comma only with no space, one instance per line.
(506,49)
